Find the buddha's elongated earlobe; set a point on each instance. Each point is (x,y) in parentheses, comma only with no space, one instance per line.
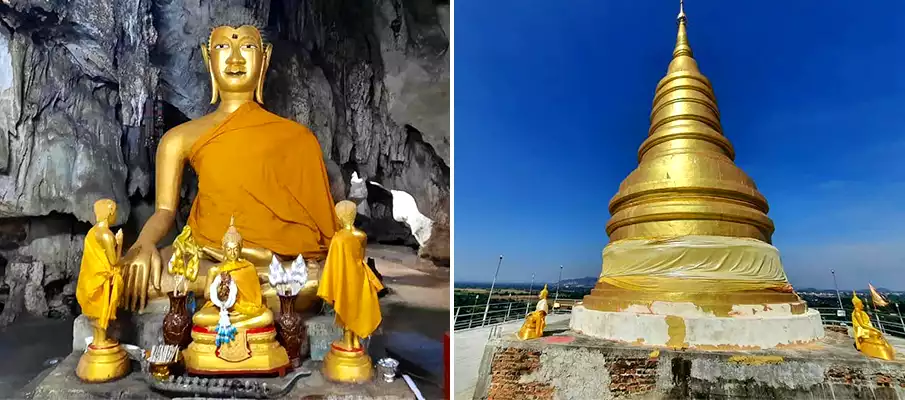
(259,91)
(215,88)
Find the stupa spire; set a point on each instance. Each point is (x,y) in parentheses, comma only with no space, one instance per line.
(686,182)
(682,47)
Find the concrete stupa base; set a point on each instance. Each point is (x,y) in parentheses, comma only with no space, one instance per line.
(567,365)
(682,326)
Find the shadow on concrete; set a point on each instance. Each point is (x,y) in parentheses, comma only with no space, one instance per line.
(414,336)
(420,280)
(26,346)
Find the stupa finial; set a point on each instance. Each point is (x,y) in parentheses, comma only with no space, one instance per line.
(682,46)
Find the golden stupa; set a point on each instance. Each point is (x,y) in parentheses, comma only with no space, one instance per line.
(688,225)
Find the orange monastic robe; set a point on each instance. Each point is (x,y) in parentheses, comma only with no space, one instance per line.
(349,284)
(269,173)
(99,287)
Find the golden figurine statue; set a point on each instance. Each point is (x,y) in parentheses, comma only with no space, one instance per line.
(234,332)
(535,323)
(267,170)
(98,292)
(350,285)
(869,340)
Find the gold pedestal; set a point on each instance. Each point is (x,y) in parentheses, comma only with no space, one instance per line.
(347,366)
(103,364)
(255,351)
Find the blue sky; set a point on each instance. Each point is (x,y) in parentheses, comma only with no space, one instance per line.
(552,100)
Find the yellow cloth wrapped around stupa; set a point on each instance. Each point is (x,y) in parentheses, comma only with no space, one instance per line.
(269,172)
(693,264)
(99,288)
(349,284)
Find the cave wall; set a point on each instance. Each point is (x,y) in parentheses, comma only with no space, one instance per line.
(89,86)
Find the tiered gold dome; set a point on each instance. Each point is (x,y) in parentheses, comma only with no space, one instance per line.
(689,226)
(686,182)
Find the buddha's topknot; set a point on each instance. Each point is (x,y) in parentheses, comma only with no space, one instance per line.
(236,16)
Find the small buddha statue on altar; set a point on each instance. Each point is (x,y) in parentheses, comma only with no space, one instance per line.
(535,323)
(98,292)
(234,332)
(868,340)
(280,190)
(351,287)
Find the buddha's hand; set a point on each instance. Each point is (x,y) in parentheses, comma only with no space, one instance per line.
(141,266)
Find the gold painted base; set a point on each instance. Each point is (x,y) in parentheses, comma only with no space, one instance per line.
(347,366)
(606,297)
(254,352)
(876,348)
(103,364)
(533,327)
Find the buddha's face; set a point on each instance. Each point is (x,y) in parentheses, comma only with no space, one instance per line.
(232,251)
(236,58)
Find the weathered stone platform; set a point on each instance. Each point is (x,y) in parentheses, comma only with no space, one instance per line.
(566,365)
(61,383)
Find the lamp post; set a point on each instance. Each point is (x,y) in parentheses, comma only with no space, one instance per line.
(900,316)
(471,314)
(490,295)
(556,296)
(838,297)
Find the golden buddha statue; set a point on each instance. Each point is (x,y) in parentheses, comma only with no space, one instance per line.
(535,323)
(351,287)
(98,292)
(265,169)
(234,332)
(689,226)
(868,340)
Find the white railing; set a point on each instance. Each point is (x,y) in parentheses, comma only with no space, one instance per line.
(471,317)
(890,323)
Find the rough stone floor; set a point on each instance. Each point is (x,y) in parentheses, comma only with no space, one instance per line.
(61,383)
(26,346)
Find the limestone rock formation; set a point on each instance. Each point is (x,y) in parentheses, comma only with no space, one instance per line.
(88,87)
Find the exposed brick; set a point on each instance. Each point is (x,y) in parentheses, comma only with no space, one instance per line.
(845,375)
(508,366)
(883,380)
(629,376)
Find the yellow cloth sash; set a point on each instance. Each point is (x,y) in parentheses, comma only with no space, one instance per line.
(269,172)
(99,287)
(349,284)
(693,264)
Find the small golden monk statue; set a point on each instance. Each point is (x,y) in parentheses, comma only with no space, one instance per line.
(535,323)
(98,292)
(349,284)
(266,169)
(234,332)
(869,340)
